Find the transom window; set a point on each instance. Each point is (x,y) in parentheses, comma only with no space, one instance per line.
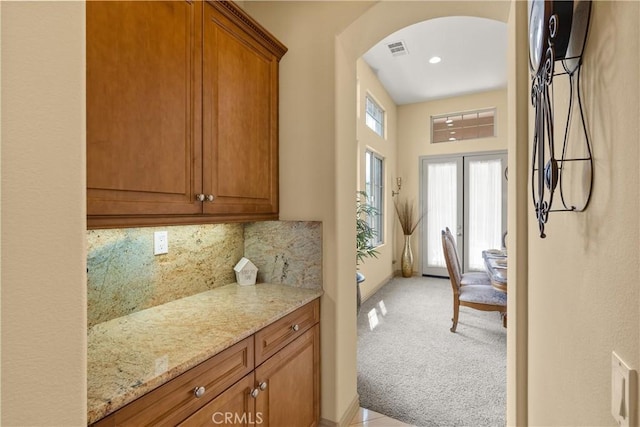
(374,116)
(462,126)
(374,187)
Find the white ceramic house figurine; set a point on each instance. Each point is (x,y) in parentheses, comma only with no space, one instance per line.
(246,272)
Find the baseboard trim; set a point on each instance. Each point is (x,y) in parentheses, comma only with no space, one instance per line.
(351,412)
(377,288)
(398,273)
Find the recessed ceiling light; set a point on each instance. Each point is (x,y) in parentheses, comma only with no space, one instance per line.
(434,60)
(452,139)
(449,121)
(453,132)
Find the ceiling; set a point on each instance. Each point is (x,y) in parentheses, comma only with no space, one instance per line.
(473,52)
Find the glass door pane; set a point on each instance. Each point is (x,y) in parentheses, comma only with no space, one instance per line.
(485,206)
(442,206)
(468,194)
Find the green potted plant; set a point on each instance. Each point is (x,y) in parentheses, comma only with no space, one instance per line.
(364,236)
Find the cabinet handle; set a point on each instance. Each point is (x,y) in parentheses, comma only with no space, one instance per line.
(210,198)
(263,385)
(198,392)
(254,393)
(295,327)
(200,197)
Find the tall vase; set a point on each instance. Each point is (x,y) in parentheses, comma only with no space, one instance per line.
(407,257)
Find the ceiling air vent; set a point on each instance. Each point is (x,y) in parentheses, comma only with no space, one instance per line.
(397,48)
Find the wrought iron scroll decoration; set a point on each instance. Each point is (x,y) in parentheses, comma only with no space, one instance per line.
(546,169)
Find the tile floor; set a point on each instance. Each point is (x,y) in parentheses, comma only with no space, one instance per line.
(369,418)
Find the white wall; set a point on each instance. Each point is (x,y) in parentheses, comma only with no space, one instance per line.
(43,214)
(377,270)
(584,295)
(518,85)
(414,136)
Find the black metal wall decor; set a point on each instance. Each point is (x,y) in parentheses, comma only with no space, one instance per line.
(557,34)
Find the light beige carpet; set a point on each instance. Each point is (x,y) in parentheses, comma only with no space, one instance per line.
(413,369)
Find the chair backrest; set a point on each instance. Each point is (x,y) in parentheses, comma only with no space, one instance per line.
(450,258)
(456,258)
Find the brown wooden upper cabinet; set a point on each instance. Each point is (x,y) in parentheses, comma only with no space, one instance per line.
(182,114)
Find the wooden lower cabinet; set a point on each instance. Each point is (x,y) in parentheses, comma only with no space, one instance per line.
(292,393)
(282,392)
(271,339)
(234,407)
(175,400)
(239,386)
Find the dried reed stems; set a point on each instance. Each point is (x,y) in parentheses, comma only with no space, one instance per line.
(404,209)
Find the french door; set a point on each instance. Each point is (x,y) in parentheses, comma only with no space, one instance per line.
(468,194)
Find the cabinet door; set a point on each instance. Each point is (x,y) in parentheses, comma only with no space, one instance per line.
(292,377)
(240,118)
(234,407)
(143,107)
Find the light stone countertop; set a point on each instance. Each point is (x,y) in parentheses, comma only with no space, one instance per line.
(134,354)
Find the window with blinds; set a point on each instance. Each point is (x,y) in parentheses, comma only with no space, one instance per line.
(463,126)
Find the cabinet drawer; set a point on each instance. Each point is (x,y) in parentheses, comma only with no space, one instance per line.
(174,401)
(280,333)
(234,407)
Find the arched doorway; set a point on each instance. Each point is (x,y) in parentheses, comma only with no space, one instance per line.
(386,17)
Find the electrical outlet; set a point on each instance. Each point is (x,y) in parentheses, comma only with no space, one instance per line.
(160,242)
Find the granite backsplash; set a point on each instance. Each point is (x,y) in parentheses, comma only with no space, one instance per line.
(286,252)
(124,276)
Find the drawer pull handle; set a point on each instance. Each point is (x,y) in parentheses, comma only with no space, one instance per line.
(295,327)
(263,385)
(198,392)
(254,393)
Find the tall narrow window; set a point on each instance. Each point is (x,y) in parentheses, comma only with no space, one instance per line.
(374,116)
(374,182)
